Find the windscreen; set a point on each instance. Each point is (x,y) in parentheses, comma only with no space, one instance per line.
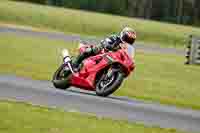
(129,49)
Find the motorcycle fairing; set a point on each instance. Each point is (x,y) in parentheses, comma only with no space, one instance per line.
(87,75)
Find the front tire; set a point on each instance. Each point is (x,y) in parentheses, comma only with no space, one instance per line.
(60,80)
(105,91)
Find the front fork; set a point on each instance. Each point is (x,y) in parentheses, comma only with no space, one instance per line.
(67,60)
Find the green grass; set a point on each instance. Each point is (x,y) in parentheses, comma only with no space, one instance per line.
(164,78)
(95,24)
(161,78)
(34,57)
(24,118)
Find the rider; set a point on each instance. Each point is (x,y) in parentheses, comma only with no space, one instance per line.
(112,43)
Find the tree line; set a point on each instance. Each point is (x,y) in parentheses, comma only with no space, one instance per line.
(175,11)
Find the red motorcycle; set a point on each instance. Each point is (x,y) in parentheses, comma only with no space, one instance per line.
(102,73)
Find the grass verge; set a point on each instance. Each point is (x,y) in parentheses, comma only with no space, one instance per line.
(24,118)
(161,78)
(94,24)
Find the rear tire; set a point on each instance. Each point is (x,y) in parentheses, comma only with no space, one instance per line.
(118,79)
(58,81)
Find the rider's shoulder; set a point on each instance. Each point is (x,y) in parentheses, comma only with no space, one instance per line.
(113,36)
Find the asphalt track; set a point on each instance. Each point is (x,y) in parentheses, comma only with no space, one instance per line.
(120,108)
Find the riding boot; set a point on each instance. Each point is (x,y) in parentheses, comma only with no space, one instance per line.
(76,64)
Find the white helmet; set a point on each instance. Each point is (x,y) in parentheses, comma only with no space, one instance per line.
(128,35)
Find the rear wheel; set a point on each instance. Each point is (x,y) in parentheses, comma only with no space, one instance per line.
(61,77)
(109,81)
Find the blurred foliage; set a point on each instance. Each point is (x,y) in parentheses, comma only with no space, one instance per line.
(34,1)
(175,11)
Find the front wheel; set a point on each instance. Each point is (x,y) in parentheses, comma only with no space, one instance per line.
(61,78)
(107,84)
